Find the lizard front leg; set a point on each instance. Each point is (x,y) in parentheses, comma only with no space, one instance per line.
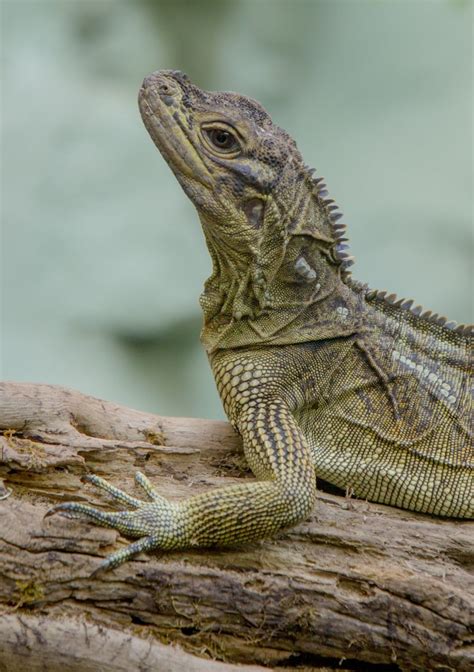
(283,494)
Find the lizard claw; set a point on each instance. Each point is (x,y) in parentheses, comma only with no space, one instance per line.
(156,522)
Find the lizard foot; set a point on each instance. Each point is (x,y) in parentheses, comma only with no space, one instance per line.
(156,522)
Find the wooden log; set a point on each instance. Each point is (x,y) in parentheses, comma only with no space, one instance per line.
(38,642)
(357,583)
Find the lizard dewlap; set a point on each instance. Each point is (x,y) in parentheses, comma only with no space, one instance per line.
(319,374)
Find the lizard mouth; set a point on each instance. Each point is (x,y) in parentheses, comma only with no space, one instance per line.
(159,102)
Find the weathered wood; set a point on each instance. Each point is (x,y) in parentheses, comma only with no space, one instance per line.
(39,642)
(357,581)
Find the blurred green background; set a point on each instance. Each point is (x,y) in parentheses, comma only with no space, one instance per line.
(103,257)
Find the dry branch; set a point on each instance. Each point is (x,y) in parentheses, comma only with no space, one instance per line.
(358,581)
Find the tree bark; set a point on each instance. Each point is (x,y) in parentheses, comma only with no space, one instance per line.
(357,586)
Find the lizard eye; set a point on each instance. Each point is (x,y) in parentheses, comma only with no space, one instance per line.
(222,139)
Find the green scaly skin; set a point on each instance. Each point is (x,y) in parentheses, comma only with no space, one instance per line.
(319,374)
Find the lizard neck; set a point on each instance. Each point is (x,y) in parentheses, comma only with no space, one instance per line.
(285,282)
(290,282)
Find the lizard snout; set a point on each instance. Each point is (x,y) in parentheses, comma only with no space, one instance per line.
(165,86)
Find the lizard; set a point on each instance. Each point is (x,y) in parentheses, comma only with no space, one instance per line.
(321,375)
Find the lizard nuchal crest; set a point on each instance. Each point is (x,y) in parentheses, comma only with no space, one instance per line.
(319,374)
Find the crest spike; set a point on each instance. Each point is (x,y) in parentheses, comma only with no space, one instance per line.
(348,261)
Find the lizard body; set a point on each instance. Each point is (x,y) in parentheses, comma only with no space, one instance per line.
(319,374)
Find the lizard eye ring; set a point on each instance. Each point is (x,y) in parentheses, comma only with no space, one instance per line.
(222,139)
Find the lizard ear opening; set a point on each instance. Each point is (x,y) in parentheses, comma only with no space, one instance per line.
(253,210)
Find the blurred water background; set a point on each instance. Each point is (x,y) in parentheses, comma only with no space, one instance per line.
(103,258)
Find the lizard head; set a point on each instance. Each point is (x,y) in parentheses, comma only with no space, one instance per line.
(269,230)
(223,148)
